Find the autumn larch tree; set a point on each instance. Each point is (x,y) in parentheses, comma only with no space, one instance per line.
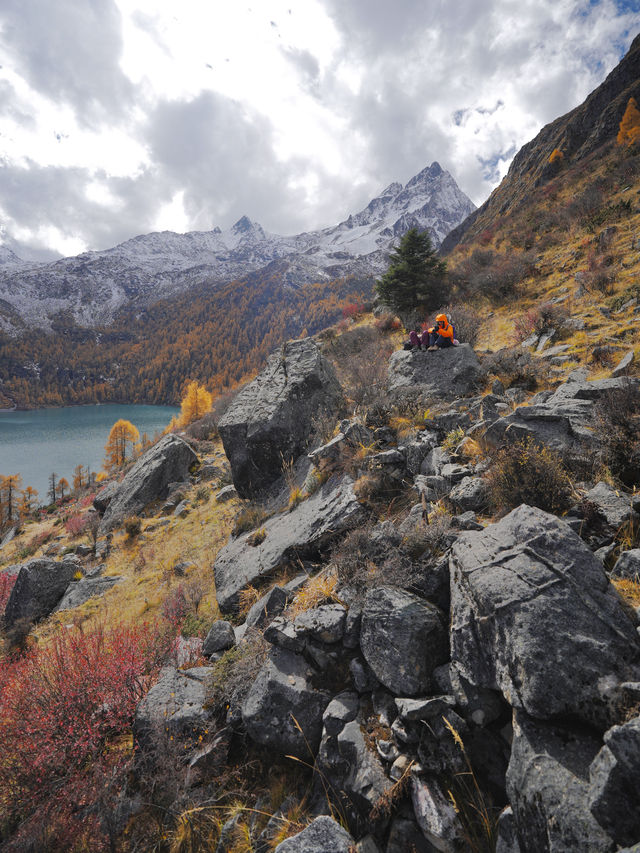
(28,501)
(629,131)
(9,500)
(53,487)
(414,280)
(63,486)
(195,403)
(122,438)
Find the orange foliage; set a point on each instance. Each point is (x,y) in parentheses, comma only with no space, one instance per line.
(216,334)
(556,156)
(122,437)
(195,403)
(629,132)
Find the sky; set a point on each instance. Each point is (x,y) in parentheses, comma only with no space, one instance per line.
(121,117)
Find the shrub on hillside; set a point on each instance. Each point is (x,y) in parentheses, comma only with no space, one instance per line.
(63,707)
(617,428)
(527,473)
(515,366)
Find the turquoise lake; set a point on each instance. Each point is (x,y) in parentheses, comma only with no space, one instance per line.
(35,443)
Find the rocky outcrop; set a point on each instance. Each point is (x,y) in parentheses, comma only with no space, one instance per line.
(166,462)
(282,709)
(548,787)
(304,532)
(562,421)
(446,373)
(270,420)
(176,704)
(533,615)
(221,636)
(39,586)
(403,639)
(324,835)
(80,591)
(614,790)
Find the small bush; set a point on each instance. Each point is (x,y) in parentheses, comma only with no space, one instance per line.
(75,525)
(203,494)
(257,537)
(528,473)
(248,518)
(235,672)
(617,428)
(388,323)
(133,526)
(515,366)
(453,439)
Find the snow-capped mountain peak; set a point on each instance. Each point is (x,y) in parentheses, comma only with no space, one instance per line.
(94,285)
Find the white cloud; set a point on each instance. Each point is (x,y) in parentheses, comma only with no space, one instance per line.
(121,116)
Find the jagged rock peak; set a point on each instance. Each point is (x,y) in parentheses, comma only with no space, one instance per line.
(245,224)
(430,173)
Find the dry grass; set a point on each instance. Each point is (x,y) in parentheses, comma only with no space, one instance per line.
(316,591)
(146,567)
(629,590)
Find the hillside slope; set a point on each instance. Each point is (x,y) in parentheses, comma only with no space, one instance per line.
(576,135)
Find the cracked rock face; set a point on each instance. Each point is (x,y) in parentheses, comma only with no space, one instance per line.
(452,372)
(534,616)
(548,785)
(403,639)
(311,526)
(166,462)
(270,420)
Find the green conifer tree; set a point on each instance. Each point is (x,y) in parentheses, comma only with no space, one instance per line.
(415,277)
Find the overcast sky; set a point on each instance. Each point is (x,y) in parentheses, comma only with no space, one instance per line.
(120,117)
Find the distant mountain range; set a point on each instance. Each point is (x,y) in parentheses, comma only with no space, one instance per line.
(93,286)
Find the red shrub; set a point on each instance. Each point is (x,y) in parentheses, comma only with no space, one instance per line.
(62,708)
(352,310)
(75,525)
(6,585)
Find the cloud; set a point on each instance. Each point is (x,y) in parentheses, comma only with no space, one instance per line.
(307,122)
(69,52)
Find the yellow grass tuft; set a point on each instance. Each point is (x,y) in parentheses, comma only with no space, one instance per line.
(317,590)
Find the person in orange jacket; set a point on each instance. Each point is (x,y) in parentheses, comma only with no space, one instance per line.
(442,334)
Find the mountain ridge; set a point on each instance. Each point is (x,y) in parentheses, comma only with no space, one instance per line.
(575,135)
(95,284)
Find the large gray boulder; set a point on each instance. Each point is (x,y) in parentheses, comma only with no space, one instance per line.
(282,709)
(176,704)
(447,373)
(615,788)
(310,527)
(349,766)
(548,788)
(324,835)
(403,639)
(166,462)
(80,591)
(533,615)
(39,586)
(562,421)
(271,419)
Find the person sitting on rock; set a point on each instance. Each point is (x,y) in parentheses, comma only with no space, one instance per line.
(442,334)
(418,339)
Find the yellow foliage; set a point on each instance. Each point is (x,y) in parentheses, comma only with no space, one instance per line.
(316,590)
(556,156)
(195,403)
(121,439)
(629,131)
(629,590)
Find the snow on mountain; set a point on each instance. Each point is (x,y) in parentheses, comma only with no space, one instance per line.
(94,285)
